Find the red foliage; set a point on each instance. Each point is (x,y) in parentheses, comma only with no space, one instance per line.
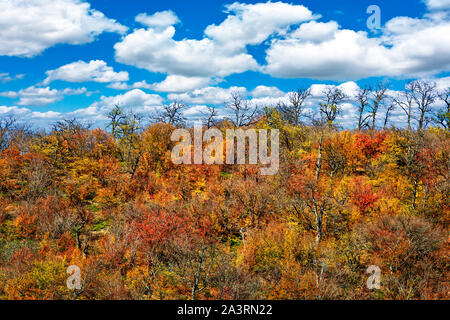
(363,196)
(370,146)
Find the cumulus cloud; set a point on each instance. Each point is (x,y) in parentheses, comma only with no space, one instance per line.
(407,48)
(39,119)
(135,99)
(13,111)
(264,91)
(31,26)
(252,24)
(6,77)
(195,112)
(315,32)
(41,96)
(80,71)
(437,4)
(157,51)
(8,94)
(220,53)
(442,83)
(208,95)
(124,86)
(159,19)
(132,98)
(175,83)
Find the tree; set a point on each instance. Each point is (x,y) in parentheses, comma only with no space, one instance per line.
(129,134)
(117,118)
(293,111)
(210,116)
(172,114)
(330,107)
(405,101)
(310,194)
(443,116)
(363,102)
(424,96)
(389,108)
(6,125)
(243,112)
(378,96)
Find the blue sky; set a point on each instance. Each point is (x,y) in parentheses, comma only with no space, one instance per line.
(65,58)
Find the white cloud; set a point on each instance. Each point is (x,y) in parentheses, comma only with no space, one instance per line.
(437,4)
(315,31)
(38,119)
(80,71)
(141,85)
(264,91)
(407,48)
(9,94)
(13,111)
(208,95)
(125,86)
(157,51)
(6,77)
(119,86)
(260,96)
(175,83)
(159,19)
(28,27)
(350,88)
(220,53)
(135,99)
(254,23)
(195,112)
(442,83)
(41,96)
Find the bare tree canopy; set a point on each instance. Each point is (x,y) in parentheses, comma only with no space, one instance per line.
(210,116)
(172,114)
(116,118)
(378,97)
(424,96)
(362,97)
(390,107)
(443,116)
(330,107)
(243,111)
(294,110)
(6,125)
(405,101)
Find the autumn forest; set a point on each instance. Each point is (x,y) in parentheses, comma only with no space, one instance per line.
(111,201)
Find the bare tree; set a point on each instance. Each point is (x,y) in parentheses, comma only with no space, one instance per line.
(19,135)
(116,118)
(424,96)
(378,96)
(389,108)
(69,127)
(172,114)
(329,108)
(405,101)
(210,116)
(6,125)
(363,102)
(293,111)
(443,116)
(244,113)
